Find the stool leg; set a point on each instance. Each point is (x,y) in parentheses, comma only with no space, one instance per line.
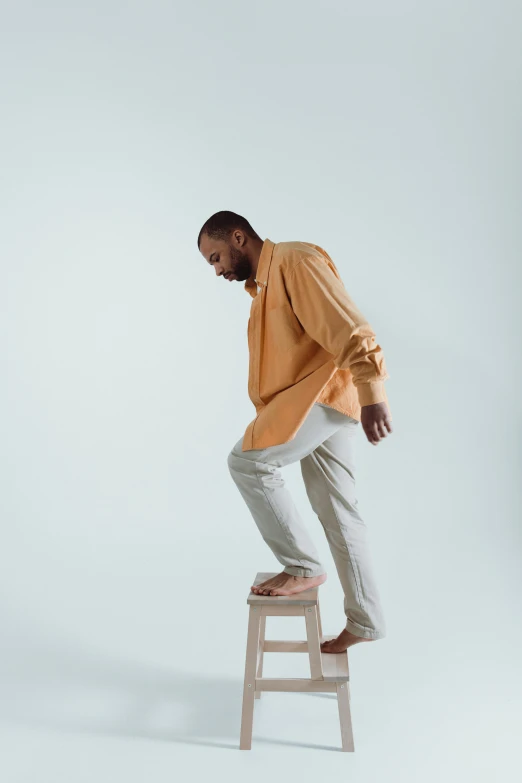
(247,714)
(314,647)
(257,694)
(345,718)
(319,623)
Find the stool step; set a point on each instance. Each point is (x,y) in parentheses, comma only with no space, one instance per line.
(335,665)
(305,598)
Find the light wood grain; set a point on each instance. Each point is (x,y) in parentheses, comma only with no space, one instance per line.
(329,673)
(247,714)
(262,631)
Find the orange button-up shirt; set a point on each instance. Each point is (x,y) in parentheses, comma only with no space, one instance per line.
(307,343)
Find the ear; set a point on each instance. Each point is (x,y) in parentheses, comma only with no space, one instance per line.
(238,237)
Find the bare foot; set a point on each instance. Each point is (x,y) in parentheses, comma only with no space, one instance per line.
(342,642)
(286,584)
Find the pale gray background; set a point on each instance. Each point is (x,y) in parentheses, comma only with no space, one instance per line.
(389,133)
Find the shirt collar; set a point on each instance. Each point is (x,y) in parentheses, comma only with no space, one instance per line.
(263,268)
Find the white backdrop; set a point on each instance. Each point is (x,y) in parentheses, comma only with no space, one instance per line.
(389,135)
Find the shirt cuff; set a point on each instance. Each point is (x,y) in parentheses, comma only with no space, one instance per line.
(371,393)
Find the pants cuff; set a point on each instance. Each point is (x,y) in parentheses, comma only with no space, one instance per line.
(297,571)
(364,633)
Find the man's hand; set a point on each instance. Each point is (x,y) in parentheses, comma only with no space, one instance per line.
(375,420)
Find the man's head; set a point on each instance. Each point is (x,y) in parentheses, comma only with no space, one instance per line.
(229,243)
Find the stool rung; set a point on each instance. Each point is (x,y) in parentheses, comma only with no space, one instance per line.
(272,645)
(295,684)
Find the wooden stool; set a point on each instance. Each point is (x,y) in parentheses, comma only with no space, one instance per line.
(329,672)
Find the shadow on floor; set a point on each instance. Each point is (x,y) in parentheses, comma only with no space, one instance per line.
(75,692)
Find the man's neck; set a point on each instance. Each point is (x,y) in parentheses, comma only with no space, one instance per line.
(257,246)
(255,254)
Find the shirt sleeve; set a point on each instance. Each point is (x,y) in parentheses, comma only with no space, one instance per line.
(328,314)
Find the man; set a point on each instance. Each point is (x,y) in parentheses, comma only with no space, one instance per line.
(315,372)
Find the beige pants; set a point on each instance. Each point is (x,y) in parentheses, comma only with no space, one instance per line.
(324,444)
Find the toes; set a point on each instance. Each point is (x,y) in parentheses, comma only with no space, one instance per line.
(266,589)
(328,647)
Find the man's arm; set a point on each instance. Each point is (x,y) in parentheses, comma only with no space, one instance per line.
(328,314)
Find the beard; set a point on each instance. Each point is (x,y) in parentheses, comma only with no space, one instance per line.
(241,266)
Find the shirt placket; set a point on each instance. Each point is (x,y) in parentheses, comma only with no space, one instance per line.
(256,325)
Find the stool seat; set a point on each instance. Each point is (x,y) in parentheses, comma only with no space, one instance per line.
(305,598)
(329,672)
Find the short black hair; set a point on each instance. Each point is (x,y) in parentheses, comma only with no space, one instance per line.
(221,224)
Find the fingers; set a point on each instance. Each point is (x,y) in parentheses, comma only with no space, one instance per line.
(372,433)
(381,426)
(378,430)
